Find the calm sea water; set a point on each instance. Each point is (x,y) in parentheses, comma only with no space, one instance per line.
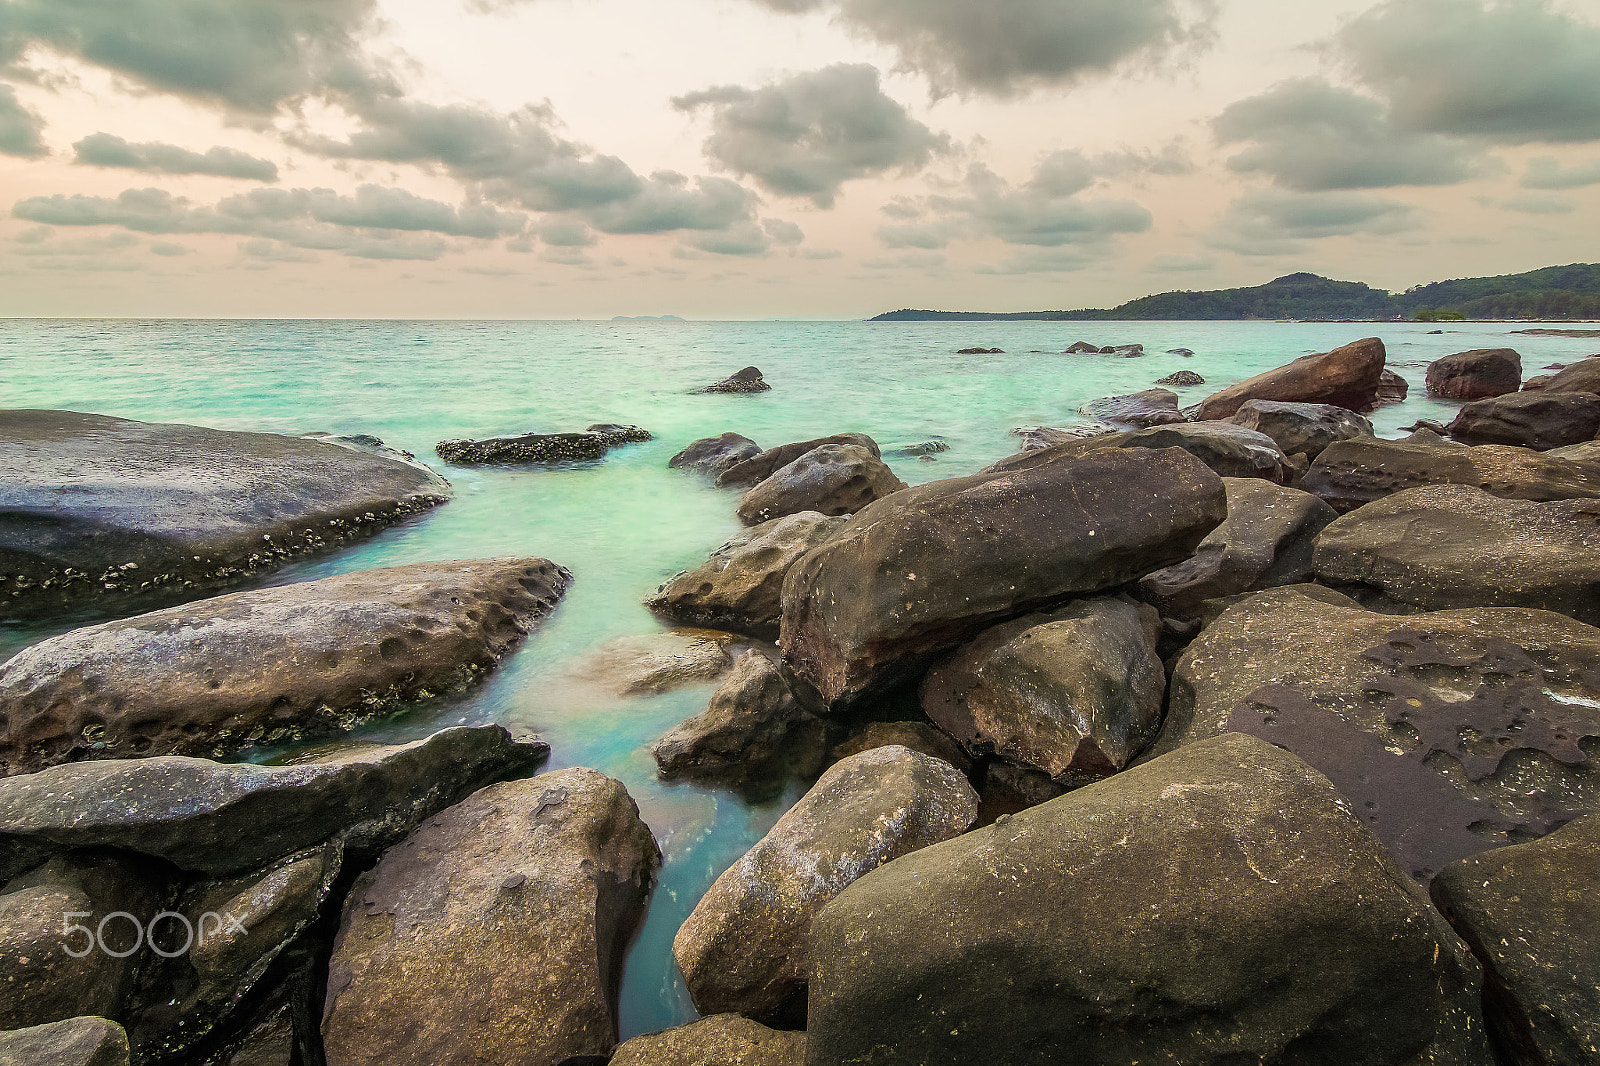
(624,525)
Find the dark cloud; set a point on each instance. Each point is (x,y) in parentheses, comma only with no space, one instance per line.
(565,233)
(1268,222)
(1545,173)
(667,201)
(745,238)
(1313,137)
(781,232)
(20,129)
(248,55)
(106,150)
(1513,71)
(810,133)
(1007,47)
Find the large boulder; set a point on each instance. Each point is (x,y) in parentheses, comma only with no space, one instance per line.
(1218,906)
(1347,377)
(1457,546)
(1475,375)
(744,949)
(228,818)
(1152,407)
(1231,450)
(835,479)
(740,586)
(1265,541)
(918,736)
(1539,420)
(538,448)
(1073,694)
(721,1040)
(747,380)
(496,931)
(1301,427)
(748,728)
(215,676)
(712,455)
(91,504)
(922,570)
(1582,376)
(752,471)
(1531,913)
(1392,388)
(1450,732)
(1351,473)
(82,1041)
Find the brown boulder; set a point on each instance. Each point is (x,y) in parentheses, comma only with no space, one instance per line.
(1306,428)
(1539,420)
(1152,407)
(721,1040)
(1582,376)
(834,479)
(1475,375)
(82,1041)
(712,455)
(749,726)
(752,471)
(1231,450)
(1347,377)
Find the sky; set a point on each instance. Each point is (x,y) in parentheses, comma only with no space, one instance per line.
(738,159)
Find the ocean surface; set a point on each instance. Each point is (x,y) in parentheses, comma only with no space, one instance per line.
(624,525)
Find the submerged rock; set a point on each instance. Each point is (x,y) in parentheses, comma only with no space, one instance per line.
(217,675)
(1037,438)
(1475,375)
(91,504)
(980,351)
(834,479)
(747,380)
(1346,376)
(1216,906)
(616,434)
(655,662)
(1301,427)
(1152,407)
(82,1041)
(721,1040)
(922,570)
(712,455)
(759,467)
(526,448)
(744,947)
(1539,420)
(496,931)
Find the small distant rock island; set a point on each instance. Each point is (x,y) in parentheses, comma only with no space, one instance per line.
(1549,294)
(646,318)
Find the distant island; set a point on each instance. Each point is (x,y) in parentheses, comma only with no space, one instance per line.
(1549,294)
(646,318)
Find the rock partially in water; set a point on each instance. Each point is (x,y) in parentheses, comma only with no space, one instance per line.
(834,479)
(1582,376)
(1217,906)
(1229,449)
(615,433)
(921,571)
(1540,420)
(712,455)
(1152,407)
(1306,428)
(1392,389)
(1348,377)
(537,448)
(1475,375)
(1126,351)
(720,1040)
(82,1041)
(744,947)
(215,676)
(1180,351)
(980,351)
(749,728)
(1182,378)
(1448,546)
(1073,694)
(758,468)
(496,931)
(926,447)
(365,443)
(739,587)
(1531,913)
(91,504)
(747,380)
(1082,348)
(1037,438)
(655,662)
(228,818)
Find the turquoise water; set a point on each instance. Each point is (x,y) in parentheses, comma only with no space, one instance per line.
(624,525)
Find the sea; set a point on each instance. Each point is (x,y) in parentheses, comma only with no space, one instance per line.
(624,525)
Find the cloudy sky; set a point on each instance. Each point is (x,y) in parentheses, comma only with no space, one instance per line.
(777,158)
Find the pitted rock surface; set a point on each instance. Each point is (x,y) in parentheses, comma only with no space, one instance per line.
(527,448)
(834,479)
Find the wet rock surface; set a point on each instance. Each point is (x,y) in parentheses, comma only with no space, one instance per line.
(918,736)
(1540,420)
(214,676)
(834,479)
(1152,407)
(91,504)
(744,949)
(924,569)
(1182,378)
(1582,376)
(82,1041)
(747,380)
(1301,427)
(751,725)
(495,931)
(1347,376)
(1230,450)
(1074,693)
(1216,905)
(721,1040)
(539,448)
(739,587)
(751,472)
(1475,375)
(655,662)
(712,455)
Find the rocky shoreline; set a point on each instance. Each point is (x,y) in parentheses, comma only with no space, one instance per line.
(1208,734)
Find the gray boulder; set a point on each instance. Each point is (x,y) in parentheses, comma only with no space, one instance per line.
(750,725)
(1265,541)
(496,931)
(740,586)
(834,479)
(1532,915)
(215,676)
(747,380)
(170,506)
(1301,427)
(1540,420)
(1152,407)
(539,448)
(82,1041)
(1182,378)
(1074,694)
(756,469)
(1229,449)
(1218,906)
(721,1040)
(712,455)
(228,818)
(1348,377)
(744,947)
(921,571)
(1450,546)
(1475,375)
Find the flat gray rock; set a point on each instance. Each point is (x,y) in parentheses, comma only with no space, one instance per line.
(267,666)
(92,504)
